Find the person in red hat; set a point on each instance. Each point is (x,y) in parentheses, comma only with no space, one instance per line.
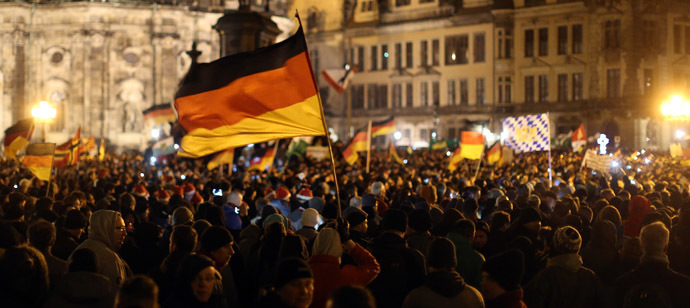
(140,190)
(282,199)
(189,191)
(163,196)
(269,194)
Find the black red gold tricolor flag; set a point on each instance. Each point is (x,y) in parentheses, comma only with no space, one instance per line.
(264,157)
(381,128)
(495,155)
(455,159)
(159,114)
(471,145)
(357,144)
(67,154)
(251,97)
(17,137)
(393,154)
(225,157)
(339,78)
(38,158)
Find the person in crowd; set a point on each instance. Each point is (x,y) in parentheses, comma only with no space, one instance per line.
(82,286)
(138,291)
(358,227)
(197,284)
(443,287)
(293,286)
(24,279)
(638,208)
(501,278)
(653,283)
(419,236)
(601,255)
(42,237)
(67,238)
(565,282)
(107,233)
(350,296)
(470,261)
(310,219)
(183,242)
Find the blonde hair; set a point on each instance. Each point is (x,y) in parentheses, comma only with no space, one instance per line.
(654,239)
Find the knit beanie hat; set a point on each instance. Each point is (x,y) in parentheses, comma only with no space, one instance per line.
(506,269)
(310,217)
(441,253)
(330,211)
(181,215)
(291,269)
(529,214)
(566,240)
(356,217)
(75,220)
(277,218)
(215,237)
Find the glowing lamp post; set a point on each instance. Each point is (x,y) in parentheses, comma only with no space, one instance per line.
(676,108)
(44,112)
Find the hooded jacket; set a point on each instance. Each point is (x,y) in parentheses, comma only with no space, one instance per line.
(639,206)
(101,242)
(82,289)
(444,289)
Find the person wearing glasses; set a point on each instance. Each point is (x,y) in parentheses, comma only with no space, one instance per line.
(107,233)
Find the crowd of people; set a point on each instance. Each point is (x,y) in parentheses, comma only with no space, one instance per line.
(123,233)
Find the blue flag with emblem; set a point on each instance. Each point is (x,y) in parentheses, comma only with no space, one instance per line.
(528,133)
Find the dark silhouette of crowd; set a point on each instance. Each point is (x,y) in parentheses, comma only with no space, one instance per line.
(123,233)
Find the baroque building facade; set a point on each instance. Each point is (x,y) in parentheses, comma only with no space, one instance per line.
(442,66)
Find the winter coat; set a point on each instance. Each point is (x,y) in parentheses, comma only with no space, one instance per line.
(82,289)
(65,244)
(328,275)
(402,270)
(444,289)
(600,255)
(56,267)
(654,273)
(470,261)
(510,299)
(564,283)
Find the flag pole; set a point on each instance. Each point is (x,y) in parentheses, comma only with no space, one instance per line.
(549,129)
(323,121)
(368,145)
(52,165)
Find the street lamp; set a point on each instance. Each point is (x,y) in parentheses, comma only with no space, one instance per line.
(676,108)
(44,112)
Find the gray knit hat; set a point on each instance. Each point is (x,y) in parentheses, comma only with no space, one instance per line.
(566,240)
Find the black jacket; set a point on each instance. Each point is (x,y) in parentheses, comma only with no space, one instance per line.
(65,244)
(655,274)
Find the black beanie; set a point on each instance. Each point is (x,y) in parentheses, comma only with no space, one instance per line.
(215,237)
(506,269)
(356,217)
(291,269)
(330,211)
(75,220)
(529,214)
(441,253)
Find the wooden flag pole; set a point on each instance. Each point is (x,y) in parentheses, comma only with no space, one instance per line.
(368,145)
(323,121)
(548,126)
(52,165)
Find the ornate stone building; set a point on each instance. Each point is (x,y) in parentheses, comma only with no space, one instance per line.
(441,66)
(101,63)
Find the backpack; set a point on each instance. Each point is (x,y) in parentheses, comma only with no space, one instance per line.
(644,295)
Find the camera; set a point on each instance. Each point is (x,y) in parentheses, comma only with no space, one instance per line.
(217,192)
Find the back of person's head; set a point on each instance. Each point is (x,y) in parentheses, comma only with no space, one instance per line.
(654,239)
(42,234)
(83,260)
(506,269)
(441,254)
(17,198)
(44,204)
(9,236)
(127,200)
(214,238)
(611,214)
(328,243)
(24,274)
(351,296)
(420,220)
(499,219)
(293,246)
(566,240)
(395,220)
(356,202)
(184,238)
(137,291)
(464,227)
(376,188)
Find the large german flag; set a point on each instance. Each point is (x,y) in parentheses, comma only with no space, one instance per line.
(471,145)
(17,137)
(38,158)
(381,128)
(357,144)
(252,97)
(159,114)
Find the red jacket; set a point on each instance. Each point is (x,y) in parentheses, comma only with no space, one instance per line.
(328,275)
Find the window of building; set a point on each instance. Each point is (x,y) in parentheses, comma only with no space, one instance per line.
(435,52)
(577,39)
(479,47)
(464,92)
(424,52)
(687,40)
(505,44)
(648,86)
(562,87)
(481,99)
(409,55)
(382,96)
(426,1)
(500,90)
(504,89)
(424,134)
(508,90)
(529,89)
(451,133)
(397,95)
(402,2)
(374,58)
(451,92)
(456,49)
(529,43)
(351,59)
(360,58)
(612,30)
(613,83)
(649,33)
(367,5)
(357,96)
(677,39)
(407,134)
(384,57)
(577,86)
(562,40)
(543,42)
(543,88)
(424,94)
(371,96)
(436,93)
(409,98)
(314,56)
(398,55)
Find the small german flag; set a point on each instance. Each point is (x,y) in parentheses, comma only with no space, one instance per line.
(382,128)
(225,157)
(357,144)
(393,154)
(38,158)
(495,155)
(472,145)
(264,158)
(17,137)
(67,154)
(251,97)
(455,159)
(159,114)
